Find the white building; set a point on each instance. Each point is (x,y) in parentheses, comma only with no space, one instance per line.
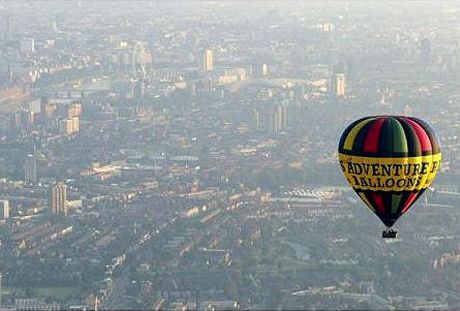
(4,209)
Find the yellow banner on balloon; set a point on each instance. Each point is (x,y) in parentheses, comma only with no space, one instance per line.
(390,174)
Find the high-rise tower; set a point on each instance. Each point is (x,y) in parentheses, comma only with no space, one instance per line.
(30,169)
(58,197)
(338,85)
(208,61)
(4,210)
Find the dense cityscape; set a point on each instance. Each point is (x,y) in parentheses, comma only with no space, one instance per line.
(177,155)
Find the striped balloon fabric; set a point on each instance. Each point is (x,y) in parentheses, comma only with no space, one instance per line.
(389,161)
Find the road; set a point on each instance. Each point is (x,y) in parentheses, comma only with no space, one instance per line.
(115,298)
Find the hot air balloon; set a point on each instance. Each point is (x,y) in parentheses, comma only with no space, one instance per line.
(389,161)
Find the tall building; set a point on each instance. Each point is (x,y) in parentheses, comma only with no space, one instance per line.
(4,209)
(338,85)
(30,169)
(70,125)
(283,112)
(264,70)
(57,198)
(278,118)
(144,61)
(65,126)
(258,70)
(74,110)
(208,61)
(75,124)
(35,106)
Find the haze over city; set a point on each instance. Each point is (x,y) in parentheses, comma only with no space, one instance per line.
(176,155)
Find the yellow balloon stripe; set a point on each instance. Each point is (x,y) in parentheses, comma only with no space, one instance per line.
(390,174)
(348,144)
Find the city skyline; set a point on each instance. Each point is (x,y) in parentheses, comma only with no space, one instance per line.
(183,155)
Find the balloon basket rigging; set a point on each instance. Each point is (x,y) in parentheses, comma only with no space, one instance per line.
(389,234)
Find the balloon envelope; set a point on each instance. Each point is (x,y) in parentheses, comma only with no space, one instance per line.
(389,161)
